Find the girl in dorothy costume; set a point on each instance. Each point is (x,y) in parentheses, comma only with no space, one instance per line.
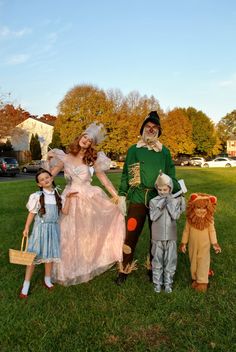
(44,207)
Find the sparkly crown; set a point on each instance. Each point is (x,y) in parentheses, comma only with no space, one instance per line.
(96,131)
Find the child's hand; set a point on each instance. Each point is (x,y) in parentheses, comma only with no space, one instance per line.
(182,248)
(217,248)
(25,232)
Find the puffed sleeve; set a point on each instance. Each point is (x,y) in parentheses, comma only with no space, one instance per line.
(102,163)
(33,204)
(56,155)
(55,160)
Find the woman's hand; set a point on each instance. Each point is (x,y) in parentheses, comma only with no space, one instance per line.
(71,194)
(115,199)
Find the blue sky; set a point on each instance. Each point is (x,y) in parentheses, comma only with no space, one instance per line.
(182,52)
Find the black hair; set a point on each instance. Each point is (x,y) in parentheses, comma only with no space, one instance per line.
(42,210)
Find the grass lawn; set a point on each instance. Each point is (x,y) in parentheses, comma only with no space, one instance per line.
(98,315)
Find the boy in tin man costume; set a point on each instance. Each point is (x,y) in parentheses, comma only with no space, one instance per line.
(142,166)
(165,210)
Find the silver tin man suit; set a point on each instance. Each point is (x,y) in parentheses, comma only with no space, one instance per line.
(164,211)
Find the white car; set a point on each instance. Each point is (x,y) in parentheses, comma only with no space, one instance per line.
(220,162)
(113,165)
(197,161)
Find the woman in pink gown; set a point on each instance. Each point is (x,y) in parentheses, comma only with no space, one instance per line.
(92,234)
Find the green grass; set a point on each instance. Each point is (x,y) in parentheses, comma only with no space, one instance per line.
(98,315)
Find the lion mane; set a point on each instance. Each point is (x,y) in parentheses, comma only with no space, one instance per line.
(201,200)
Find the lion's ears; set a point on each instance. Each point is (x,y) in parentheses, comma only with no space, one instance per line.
(213,199)
(193,196)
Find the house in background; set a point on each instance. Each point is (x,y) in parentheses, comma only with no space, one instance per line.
(22,133)
(231,146)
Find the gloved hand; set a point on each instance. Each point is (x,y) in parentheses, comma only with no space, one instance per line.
(122,205)
(162,203)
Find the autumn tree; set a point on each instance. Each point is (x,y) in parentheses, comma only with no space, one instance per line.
(35,147)
(177,132)
(226,127)
(81,106)
(203,131)
(138,109)
(10,117)
(128,113)
(50,119)
(121,115)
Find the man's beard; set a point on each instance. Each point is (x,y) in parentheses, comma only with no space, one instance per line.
(147,138)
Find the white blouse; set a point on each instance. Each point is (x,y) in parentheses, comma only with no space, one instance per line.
(33,204)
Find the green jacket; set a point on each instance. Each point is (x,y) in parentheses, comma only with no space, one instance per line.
(141,169)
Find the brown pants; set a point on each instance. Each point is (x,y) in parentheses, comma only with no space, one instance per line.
(137,214)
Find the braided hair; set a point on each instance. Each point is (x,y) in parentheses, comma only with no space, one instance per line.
(42,210)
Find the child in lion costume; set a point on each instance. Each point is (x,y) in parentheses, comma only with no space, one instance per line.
(199,233)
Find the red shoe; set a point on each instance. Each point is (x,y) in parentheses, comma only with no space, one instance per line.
(22,295)
(47,287)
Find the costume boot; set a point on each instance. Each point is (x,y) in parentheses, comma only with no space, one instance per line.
(124,271)
(121,278)
(201,287)
(194,284)
(149,272)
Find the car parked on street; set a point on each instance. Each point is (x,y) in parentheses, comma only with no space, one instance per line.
(32,166)
(9,166)
(113,165)
(220,162)
(197,161)
(181,161)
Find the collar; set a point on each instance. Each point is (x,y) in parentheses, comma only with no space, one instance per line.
(151,145)
(48,192)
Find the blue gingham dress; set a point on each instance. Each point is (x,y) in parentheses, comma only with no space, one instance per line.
(45,237)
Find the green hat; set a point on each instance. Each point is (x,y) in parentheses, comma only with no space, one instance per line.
(154,118)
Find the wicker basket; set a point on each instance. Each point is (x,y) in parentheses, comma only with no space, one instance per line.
(21,257)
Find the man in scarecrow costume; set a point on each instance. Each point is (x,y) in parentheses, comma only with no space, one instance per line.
(142,166)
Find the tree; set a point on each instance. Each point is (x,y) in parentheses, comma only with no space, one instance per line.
(4,99)
(6,147)
(10,117)
(121,115)
(203,131)
(50,119)
(127,116)
(177,132)
(35,147)
(226,127)
(56,141)
(81,106)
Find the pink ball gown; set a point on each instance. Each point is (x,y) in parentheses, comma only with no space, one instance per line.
(93,232)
